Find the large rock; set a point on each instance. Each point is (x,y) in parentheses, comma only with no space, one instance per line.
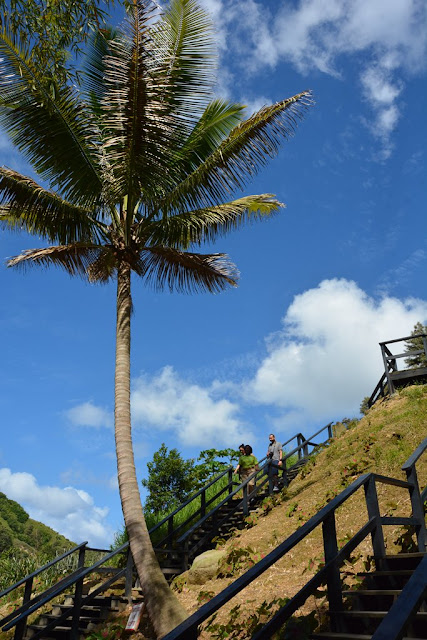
(205,567)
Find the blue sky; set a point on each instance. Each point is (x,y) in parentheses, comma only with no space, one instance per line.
(296,345)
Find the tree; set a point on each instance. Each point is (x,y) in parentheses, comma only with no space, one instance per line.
(171,479)
(364,405)
(417,344)
(210,464)
(54,29)
(141,165)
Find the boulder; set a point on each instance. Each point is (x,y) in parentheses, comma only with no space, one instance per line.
(206,566)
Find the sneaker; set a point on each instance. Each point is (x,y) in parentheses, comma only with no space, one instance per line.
(276,489)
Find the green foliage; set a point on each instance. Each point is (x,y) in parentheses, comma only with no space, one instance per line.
(210,463)
(109,632)
(17,526)
(172,479)
(53,29)
(241,625)
(238,559)
(6,540)
(415,344)
(364,406)
(204,597)
(17,563)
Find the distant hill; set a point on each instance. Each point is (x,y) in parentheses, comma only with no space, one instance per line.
(18,530)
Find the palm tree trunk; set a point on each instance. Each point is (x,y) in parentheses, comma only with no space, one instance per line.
(164,609)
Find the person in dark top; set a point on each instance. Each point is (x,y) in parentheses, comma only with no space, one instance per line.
(274,454)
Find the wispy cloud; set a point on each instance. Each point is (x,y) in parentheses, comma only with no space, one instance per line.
(387,41)
(88,414)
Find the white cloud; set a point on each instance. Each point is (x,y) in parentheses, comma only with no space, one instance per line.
(327,358)
(194,413)
(317,34)
(69,511)
(88,414)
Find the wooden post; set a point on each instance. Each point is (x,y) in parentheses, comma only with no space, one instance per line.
(230,480)
(78,592)
(330,434)
(185,556)
(373,508)
(300,440)
(129,576)
(170,529)
(387,372)
(245,500)
(270,477)
(21,626)
(330,547)
(417,508)
(203,503)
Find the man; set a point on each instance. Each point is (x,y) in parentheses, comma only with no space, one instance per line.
(274,454)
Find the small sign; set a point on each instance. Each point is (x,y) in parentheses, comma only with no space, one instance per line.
(135,617)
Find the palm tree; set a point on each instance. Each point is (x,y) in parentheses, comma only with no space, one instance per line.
(140,164)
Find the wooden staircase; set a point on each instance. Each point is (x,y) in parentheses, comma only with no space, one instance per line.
(368,605)
(216,517)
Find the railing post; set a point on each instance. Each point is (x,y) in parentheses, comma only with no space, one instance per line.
(21,626)
(305,450)
(270,476)
(373,508)
(230,480)
(203,503)
(417,508)
(387,371)
(330,435)
(129,576)
(170,527)
(285,472)
(300,440)
(245,500)
(330,547)
(185,556)
(78,593)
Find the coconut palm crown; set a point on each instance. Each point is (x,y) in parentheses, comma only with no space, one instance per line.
(141,164)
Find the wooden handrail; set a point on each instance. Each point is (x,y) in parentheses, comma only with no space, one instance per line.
(414,457)
(188,629)
(418,335)
(31,605)
(41,569)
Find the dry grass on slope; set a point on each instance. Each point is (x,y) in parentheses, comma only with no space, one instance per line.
(380,442)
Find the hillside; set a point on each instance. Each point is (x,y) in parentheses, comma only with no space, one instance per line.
(19,531)
(380,442)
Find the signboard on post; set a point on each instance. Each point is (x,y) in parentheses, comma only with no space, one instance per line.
(135,617)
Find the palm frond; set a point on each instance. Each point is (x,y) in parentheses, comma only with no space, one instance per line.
(48,123)
(240,156)
(184,41)
(164,267)
(26,205)
(75,259)
(137,129)
(205,225)
(94,69)
(215,124)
